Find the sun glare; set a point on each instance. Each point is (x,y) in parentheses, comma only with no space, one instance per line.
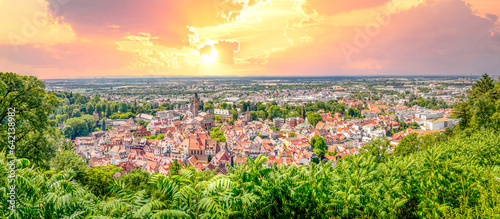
(210,58)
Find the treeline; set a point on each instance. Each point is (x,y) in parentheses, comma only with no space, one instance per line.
(77,110)
(429,103)
(75,105)
(272,110)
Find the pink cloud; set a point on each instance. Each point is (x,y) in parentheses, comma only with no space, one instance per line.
(166,19)
(438,37)
(82,56)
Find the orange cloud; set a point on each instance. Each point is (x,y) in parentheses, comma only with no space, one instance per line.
(226,51)
(252,37)
(331,7)
(29,21)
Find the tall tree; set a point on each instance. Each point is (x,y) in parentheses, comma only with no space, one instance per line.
(68,160)
(175,167)
(103,125)
(319,146)
(24,111)
(482,107)
(314,118)
(407,145)
(99,179)
(108,110)
(484,85)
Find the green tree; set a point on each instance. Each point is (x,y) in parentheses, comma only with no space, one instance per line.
(60,118)
(483,86)
(100,178)
(482,107)
(337,107)
(175,167)
(217,134)
(223,105)
(319,146)
(103,125)
(147,107)
(90,108)
(353,112)
(414,125)
(390,132)
(127,115)
(377,148)
(95,100)
(261,114)
(80,126)
(24,110)
(274,112)
(67,159)
(235,114)
(407,145)
(314,118)
(207,106)
(108,110)
(142,122)
(136,180)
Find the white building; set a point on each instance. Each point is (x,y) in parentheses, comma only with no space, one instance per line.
(438,124)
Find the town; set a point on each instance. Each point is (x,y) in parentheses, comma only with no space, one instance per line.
(250,109)
(211,124)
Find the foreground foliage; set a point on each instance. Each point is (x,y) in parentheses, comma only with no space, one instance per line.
(455,178)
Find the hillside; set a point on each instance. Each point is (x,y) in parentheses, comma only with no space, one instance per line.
(452,174)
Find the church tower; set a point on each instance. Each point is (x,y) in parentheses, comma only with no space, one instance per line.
(248,115)
(196,105)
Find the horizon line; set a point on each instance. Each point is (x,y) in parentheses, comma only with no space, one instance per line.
(286,76)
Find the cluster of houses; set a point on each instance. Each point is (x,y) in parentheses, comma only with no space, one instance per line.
(183,136)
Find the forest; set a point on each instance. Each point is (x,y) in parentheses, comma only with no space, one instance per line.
(448,175)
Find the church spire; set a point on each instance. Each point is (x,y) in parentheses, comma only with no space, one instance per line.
(196,105)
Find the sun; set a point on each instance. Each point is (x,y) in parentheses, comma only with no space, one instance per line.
(210,58)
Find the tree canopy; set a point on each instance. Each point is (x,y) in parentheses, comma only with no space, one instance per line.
(79,126)
(481,109)
(314,118)
(31,107)
(67,160)
(319,146)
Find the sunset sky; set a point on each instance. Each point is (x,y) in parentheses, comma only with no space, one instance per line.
(132,38)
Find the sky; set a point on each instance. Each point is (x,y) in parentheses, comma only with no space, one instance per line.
(130,38)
